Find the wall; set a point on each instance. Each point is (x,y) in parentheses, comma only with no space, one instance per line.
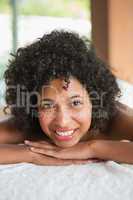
(112,22)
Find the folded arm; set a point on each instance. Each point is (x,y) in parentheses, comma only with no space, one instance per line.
(118,151)
(13,153)
(121,129)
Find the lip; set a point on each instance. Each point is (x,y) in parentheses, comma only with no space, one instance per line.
(65,138)
(64,129)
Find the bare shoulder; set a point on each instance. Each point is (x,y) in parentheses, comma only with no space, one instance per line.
(122,123)
(124,110)
(7,122)
(9,132)
(124,115)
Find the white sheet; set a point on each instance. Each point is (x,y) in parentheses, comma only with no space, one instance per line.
(96,181)
(127,92)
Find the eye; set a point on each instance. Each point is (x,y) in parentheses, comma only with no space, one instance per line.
(76,103)
(47,105)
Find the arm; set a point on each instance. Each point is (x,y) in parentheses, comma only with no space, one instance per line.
(118,151)
(10,137)
(12,153)
(121,129)
(9,134)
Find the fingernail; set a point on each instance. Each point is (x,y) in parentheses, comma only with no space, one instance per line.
(26,141)
(32,148)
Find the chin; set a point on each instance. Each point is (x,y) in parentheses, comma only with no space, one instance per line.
(65,144)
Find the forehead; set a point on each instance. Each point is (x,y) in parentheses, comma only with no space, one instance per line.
(55,87)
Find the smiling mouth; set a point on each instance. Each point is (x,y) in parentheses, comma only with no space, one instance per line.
(65,135)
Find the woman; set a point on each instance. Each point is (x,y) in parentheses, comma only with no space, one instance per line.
(62,98)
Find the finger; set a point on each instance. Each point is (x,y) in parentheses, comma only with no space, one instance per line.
(125,140)
(78,162)
(95,160)
(49,161)
(73,162)
(36,142)
(40,144)
(48,142)
(86,161)
(44,151)
(54,162)
(55,152)
(45,142)
(49,152)
(56,155)
(59,162)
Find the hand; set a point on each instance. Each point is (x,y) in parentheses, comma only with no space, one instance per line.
(40,159)
(81,151)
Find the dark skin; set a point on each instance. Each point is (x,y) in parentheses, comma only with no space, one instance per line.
(121,128)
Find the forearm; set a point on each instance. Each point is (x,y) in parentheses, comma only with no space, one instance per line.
(113,150)
(11,153)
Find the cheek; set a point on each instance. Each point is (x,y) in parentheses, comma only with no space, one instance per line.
(45,122)
(85,118)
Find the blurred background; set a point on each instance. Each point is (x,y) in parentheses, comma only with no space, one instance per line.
(22,21)
(108,23)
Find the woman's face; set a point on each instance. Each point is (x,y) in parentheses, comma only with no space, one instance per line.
(65,112)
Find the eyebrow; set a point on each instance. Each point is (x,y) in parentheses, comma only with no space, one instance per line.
(75,96)
(72,97)
(47,99)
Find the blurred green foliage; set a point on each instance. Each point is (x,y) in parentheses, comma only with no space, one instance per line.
(60,8)
(4,6)
(2,68)
(3,64)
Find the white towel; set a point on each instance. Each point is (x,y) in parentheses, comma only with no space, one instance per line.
(95,181)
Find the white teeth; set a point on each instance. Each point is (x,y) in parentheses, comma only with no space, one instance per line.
(64,133)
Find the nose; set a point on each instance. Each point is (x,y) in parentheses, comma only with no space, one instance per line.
(63,117)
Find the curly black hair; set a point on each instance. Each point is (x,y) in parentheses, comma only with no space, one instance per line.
(56,55)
